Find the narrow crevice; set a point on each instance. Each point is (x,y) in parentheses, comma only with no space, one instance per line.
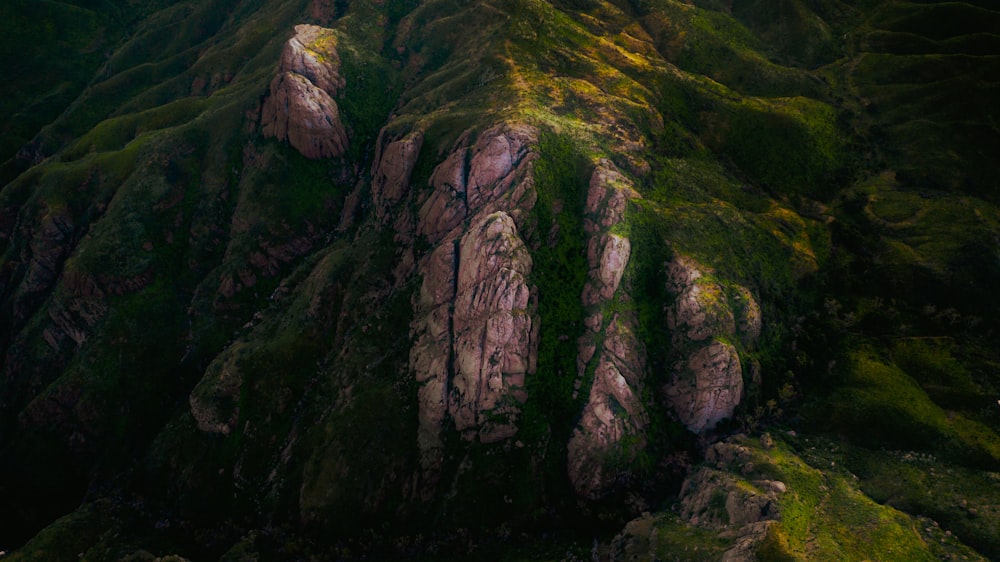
(456,260)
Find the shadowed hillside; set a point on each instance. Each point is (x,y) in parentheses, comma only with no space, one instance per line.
(518,280)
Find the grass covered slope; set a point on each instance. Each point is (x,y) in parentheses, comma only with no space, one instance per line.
(177,289)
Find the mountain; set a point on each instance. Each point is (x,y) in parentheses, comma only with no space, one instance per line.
(500,279)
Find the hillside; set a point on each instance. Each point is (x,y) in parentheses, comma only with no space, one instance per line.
(511,280)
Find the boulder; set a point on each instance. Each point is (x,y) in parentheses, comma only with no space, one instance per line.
(706,381)
(300,107)
(707,388)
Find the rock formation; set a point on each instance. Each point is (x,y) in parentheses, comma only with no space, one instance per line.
(301,107)
(713,498)
(214,401)
(707,378)
(394,162)
(514,277)
(614,417)
(475,326)
(493,328)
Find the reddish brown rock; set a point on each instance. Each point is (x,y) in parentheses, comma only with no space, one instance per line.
(614,419)
(475,335)
(430,354)
(699,312)
(707,387)
(608,255)
(301,107)
(706,384)
(445,209)
(608,195)
(614,411)
(495,335)
(495,159)
(394,162)
(475,326)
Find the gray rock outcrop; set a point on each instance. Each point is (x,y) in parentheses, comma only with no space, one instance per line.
(301,108)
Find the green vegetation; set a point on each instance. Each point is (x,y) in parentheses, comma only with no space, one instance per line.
(955,498)
(837,159)
(825,516)
(880,404)
(559,271)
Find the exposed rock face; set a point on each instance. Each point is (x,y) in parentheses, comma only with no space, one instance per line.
(394,162)
(708,387)
(494,160)
(637,541)
(75,317)
(707,379)
(477,335)
(493,174)
(431,354)
(614,411)
(301,107)
(493,328)
(614,417)
(475,325)
(445,209)
(607,197)
(714,499)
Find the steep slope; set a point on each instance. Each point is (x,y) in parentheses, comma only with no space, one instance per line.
(297,279)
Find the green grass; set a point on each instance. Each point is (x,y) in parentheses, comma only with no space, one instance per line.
(824,516)
(372,89)
(160,146)
(963,501)
(559,272)
(932,363)
(41,80)
(881,404)
(669,538)
(790,145)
